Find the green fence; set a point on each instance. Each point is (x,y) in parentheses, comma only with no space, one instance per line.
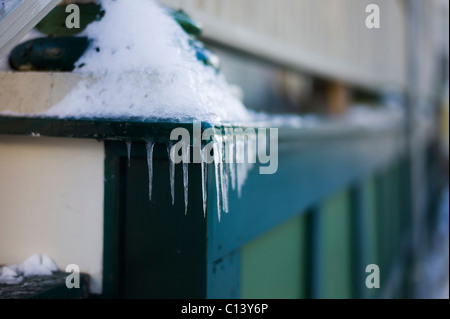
(338,203)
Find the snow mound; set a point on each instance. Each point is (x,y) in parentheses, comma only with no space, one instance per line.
(35,265)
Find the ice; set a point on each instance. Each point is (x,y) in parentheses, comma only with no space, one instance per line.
(230,145)
(129,153)
(171,174)
(150,145)
(186,185)
(140,65)
(35,265)
(240,165)
(204,184)
(224,176)
(186,160)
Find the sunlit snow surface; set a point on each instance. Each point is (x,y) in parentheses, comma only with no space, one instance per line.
(140,65)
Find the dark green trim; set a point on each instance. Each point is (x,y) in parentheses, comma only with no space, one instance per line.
(359,227)
(87,128)
(224,277)
(151,249)
(113,228)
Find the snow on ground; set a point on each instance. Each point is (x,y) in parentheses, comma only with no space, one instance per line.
(35,265)
(143,67)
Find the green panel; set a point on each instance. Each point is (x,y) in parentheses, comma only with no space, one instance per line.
(336,247)
(395,197)
(382,221)
(164,249)
(274,265)
(371,227)
(370,230)
(152,249)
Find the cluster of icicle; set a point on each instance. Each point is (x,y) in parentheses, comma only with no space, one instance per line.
(230,166)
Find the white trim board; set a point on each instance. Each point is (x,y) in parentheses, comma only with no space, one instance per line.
(18,17)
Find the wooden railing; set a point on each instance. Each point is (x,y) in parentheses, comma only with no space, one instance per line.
(328,38)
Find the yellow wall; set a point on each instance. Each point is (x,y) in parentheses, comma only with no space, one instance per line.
(51,201)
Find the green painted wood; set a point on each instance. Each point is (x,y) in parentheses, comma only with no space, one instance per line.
(359,238)
(274,265)
(305,176)
(314,252)
(382,223)
(113,223)
(55,22)
(224,277)
(156,250)
(396,228)
(337,247)
(370,231)
(116,129)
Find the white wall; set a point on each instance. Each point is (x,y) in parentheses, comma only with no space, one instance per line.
(51,201)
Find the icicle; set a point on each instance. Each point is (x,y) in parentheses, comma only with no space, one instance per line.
(240,165)
(150,146)
(186,176)
(232,162)
(204,183)
(224,177)
(171,174)
(186,186)
(129,152)
(217,171)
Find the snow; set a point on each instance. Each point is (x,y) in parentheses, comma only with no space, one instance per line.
(145,68)
(35,265)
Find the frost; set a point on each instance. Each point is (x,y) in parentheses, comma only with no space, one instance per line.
(204,183)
